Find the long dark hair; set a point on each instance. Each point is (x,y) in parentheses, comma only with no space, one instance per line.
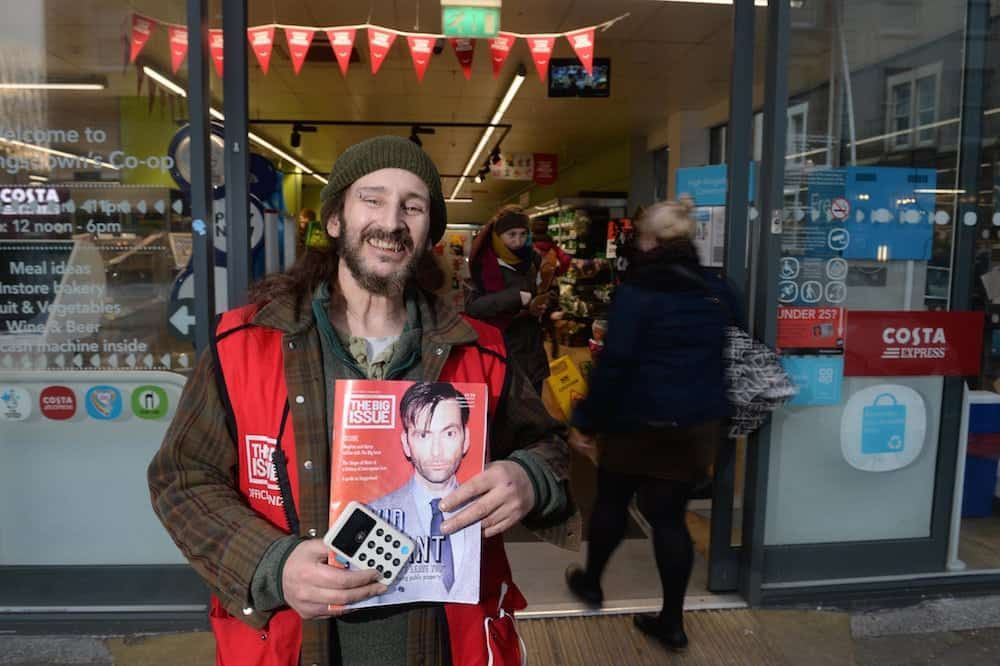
(314,267)
(318,265)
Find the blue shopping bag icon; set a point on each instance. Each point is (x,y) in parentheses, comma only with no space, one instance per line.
(883,426)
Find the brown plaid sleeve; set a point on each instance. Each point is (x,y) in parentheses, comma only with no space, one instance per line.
(194,492)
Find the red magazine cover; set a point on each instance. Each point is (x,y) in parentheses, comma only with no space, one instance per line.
(399,447)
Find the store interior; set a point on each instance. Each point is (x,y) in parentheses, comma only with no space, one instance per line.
(660,97)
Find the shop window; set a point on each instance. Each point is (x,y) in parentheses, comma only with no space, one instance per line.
(758,136)
(912,107)
(797,140)
(757,152)
(717,144)
(661,160)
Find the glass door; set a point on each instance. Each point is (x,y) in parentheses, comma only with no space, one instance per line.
(864,286)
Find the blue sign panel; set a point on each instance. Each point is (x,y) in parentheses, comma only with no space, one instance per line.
(707,185)
(890,213)
(818,378)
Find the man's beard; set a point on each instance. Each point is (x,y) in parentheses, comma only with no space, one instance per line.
(387,285)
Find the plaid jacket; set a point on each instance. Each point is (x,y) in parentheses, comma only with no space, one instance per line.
(194,488)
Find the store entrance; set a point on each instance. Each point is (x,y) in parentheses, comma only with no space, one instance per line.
(581,116)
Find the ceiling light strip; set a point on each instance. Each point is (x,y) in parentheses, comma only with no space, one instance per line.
(218,115)
(757,3)
(515,85)
(59,153)
(52,86)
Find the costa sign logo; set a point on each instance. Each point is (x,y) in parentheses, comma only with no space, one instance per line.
(901,344)
(57,403)
(21,195)
(914,343)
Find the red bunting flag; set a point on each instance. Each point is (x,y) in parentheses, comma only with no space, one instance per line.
(262,43)
(215,47)
(421,49)
(178,46)
(582,42)
(500,47)
(464,50)
(299,41)
(342,43)
(541,52)
(142,29)
(379,43)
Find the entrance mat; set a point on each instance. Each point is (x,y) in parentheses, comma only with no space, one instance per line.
(718,638)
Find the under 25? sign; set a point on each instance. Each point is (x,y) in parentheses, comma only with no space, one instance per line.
(897,344)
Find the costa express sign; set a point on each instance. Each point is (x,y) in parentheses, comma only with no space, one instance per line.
(895,344)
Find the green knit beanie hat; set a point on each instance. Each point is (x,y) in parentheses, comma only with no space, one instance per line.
(389,152)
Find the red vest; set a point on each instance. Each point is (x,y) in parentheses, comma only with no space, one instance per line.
(251,364)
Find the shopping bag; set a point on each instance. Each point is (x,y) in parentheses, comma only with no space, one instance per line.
(883,426)
(566,383)
(756,382)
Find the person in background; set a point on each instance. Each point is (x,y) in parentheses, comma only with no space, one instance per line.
(542,244)
(656,400)
(503,290)
(305,217)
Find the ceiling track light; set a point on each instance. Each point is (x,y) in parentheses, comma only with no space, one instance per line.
(417,130)
(296,138)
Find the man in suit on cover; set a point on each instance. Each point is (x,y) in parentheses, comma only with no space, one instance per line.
(435,439)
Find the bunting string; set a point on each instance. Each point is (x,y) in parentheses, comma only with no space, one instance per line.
(380,40)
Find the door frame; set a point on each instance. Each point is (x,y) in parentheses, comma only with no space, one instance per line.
(813,566)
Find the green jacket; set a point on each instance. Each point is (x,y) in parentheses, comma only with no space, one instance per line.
(195,493)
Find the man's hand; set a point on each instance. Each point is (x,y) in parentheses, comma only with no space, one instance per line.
(314,588)
(583,444)
(500,496)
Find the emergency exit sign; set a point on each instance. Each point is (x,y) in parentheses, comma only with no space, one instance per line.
(471,18)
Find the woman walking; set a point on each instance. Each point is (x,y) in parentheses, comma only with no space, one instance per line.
(652,415)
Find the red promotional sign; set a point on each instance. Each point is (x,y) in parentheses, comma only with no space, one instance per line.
(500,47)
(546,168)
(421,49)
(810,328)
(464,50)
(57,402)
(582,42)
(262,43)
(896,344)
(342,43)
(142,29)
(379,43)
(541,53)
(178,46)
(215,46)
(299,41)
